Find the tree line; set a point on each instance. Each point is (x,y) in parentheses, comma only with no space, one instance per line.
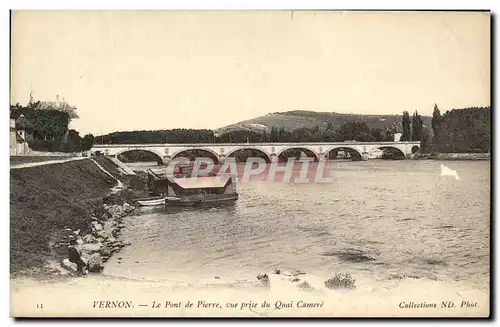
(49,125)
(351,131)
(48,129)
(465,130)
(161,136)
(458,130)
(461,130)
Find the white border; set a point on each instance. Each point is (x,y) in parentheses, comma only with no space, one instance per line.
(248,4)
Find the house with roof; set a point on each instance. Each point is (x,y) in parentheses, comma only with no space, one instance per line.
(13,137)
(21,131)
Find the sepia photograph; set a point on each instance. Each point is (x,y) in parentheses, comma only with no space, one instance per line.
(250,163)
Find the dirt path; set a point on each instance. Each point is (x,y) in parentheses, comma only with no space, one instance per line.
(42,163)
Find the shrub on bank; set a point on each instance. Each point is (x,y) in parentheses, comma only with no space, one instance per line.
(341,281)
(46,146)
(54,146)
(74,144)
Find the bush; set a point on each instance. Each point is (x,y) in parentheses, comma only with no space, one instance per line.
(341,281)
(46,146)
(138,155)
(306,286)
(53,146)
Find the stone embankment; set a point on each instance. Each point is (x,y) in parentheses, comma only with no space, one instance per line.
(453,156)
(97,246)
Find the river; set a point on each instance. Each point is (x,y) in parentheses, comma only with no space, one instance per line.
(381,221)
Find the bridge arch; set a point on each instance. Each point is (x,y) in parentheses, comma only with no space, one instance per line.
(157,155)
(392,152)
(414,149)
(305,150)
(187,152)
(354,153)
(233,152)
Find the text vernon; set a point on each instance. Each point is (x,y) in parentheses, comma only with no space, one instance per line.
(112,304)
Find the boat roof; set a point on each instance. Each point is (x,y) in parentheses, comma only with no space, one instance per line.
(202,182)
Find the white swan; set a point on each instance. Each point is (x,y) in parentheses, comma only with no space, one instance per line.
(445,171)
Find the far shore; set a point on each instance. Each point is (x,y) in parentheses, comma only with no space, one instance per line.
(453,156)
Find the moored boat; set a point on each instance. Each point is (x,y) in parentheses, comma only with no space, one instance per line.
(199,191)
(208,199)
(153,201)
(179,188)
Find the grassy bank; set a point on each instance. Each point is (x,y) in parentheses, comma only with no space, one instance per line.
(46,200)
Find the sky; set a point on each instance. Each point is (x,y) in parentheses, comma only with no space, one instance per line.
(147,70)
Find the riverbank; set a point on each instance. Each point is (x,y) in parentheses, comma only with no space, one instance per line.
(452,156)
(51,205)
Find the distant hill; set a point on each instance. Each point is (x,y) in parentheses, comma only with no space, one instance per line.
(252,130)
(291,120)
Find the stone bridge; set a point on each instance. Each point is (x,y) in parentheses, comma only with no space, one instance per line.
(220,151)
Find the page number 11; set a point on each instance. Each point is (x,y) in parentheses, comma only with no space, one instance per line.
(39,305)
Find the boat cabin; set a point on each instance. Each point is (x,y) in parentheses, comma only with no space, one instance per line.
(182,189)
(158,180)
(186,187)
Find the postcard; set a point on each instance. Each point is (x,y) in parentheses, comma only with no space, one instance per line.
(287,163)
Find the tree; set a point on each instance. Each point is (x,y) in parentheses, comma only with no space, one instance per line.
(426,139)
(417,126)
(274,134)
(87,142)
(282,135)
(357,131)
(74,143)
(47,124)
(436,126)
(377,135)
(406,127)
(388,136)
(465,130)
(264,137)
